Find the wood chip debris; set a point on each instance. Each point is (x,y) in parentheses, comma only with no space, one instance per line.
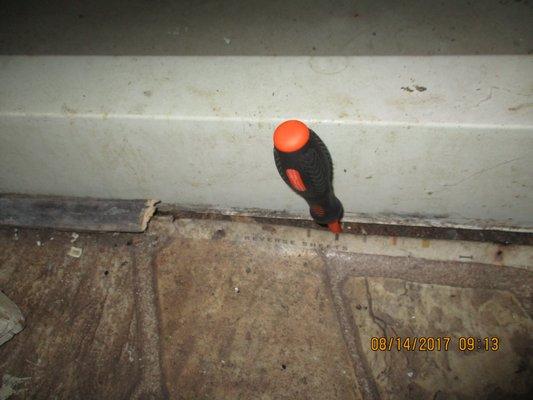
(75,252)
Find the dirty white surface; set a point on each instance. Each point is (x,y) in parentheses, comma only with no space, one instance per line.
(197,130)
(295,241)
(419,126)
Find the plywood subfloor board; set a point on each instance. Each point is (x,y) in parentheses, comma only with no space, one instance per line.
(76,213)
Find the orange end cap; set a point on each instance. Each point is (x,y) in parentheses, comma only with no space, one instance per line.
(335,227)
(291,136)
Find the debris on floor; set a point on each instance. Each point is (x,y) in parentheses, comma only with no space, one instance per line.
(12,385)
(11,319)
(75,252)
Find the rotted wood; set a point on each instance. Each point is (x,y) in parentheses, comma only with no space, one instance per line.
(76,213)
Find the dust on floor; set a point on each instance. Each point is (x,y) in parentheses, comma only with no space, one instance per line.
(216,309)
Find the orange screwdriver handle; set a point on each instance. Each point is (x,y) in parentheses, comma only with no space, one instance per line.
(304,163)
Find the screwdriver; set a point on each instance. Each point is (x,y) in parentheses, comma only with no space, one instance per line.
(304,163)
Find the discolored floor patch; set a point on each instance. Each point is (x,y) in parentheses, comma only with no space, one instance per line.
(241,322)
(434,355)
(80,316)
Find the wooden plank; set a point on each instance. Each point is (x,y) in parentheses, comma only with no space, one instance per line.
(75,213)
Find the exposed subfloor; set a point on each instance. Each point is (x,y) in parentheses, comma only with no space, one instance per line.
(217,309)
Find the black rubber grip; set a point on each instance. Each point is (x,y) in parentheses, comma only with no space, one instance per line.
(315,168)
